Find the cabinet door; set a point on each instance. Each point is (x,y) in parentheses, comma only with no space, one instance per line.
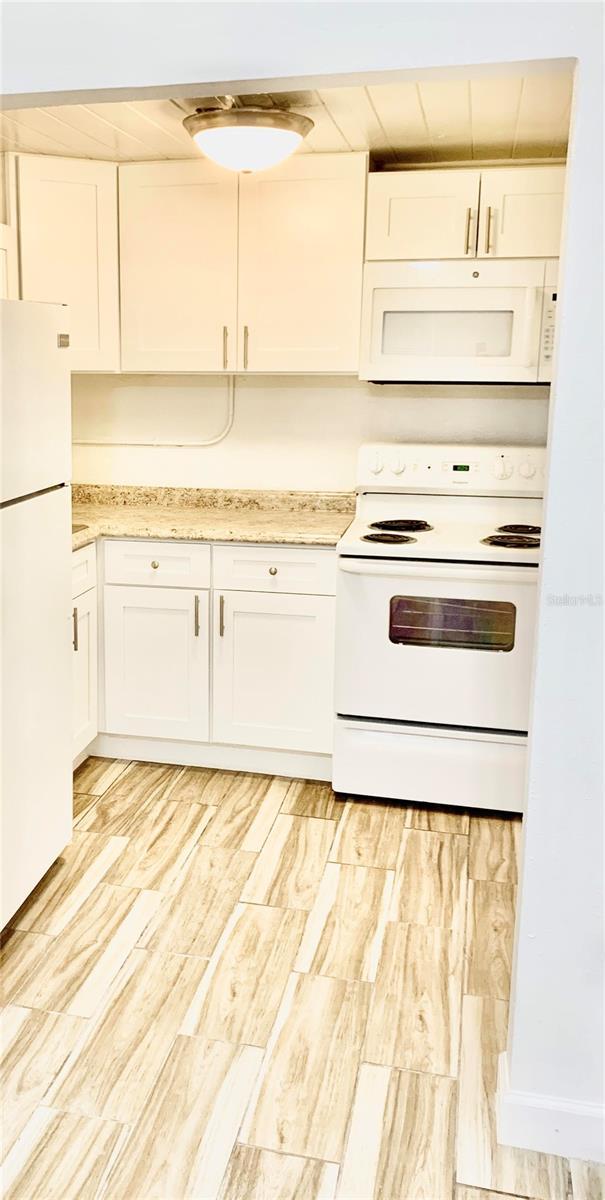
(178,266)
(521,211)
(156,662)
(273,670)
(422,214)
(69,250)
(8,261)
(85,675)
(300,264)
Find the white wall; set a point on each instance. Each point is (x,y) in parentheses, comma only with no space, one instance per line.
(555,1051)
(191,49)
(289,432)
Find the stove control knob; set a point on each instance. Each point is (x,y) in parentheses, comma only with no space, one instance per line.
(376,465)
(503,468)
(398,467)
(527,469)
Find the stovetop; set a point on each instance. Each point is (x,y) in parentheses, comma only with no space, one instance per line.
(448,540)
(443,503)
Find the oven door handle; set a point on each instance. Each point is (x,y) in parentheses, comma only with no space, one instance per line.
(420,570)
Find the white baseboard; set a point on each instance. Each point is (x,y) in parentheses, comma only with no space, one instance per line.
(549,1124)
(292,764)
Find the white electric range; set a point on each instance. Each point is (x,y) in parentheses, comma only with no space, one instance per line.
(436,601)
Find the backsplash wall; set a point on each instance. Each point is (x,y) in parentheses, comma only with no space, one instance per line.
(298,432)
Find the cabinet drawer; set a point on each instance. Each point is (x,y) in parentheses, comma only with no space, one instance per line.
(274,569)
(83,569)
(163,564)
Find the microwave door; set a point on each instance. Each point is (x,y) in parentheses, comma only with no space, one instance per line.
(438,321)
(487,334)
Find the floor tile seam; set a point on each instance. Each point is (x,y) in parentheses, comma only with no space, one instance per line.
(464,935)
(329,1162)
(371,1062)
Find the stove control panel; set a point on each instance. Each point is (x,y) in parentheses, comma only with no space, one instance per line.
(446,469)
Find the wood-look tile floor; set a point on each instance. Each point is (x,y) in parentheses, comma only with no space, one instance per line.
(241,987)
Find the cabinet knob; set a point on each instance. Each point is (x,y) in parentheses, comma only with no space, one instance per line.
(273,570)
(155,564)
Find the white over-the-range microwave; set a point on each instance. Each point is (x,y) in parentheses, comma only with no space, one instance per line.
(473,322)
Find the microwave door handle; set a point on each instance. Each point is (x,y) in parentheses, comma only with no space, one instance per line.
(531,347)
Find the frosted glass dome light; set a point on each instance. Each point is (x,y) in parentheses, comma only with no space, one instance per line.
(247,139)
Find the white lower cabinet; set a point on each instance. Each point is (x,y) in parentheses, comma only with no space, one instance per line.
(271,685)
(85,647)
(85,675)
(273,670)
(156,662)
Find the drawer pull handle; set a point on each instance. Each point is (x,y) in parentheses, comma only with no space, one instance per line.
(196,617)
(221,616)
(155,564)
(74,617)
(273,570)
(246,341)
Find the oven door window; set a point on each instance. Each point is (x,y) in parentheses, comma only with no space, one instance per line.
(442,621)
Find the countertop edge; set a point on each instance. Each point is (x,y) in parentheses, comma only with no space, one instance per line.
(319,539)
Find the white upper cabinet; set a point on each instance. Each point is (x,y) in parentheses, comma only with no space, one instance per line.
(294,250)
(69,250)
(422,214)
(8,261)
(521,211)
(300,264)
(178,266)
(501,212)
(9,253)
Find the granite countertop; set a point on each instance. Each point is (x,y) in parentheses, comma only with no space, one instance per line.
(210,515)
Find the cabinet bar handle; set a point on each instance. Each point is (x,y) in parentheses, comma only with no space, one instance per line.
(488,230)
(225,345)
(74,617)
(221,616)
(246,339)
(467,229)
(196,616)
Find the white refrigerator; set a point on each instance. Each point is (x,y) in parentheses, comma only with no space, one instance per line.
(35,585)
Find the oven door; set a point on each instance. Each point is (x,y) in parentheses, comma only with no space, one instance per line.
(448,321)
(435,643)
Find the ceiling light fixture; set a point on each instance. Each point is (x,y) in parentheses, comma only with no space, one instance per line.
(247,139)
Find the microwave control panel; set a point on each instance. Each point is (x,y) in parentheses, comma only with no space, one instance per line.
(549,318)
(549,313)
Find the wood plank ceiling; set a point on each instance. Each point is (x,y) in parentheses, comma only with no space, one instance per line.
(432,121)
